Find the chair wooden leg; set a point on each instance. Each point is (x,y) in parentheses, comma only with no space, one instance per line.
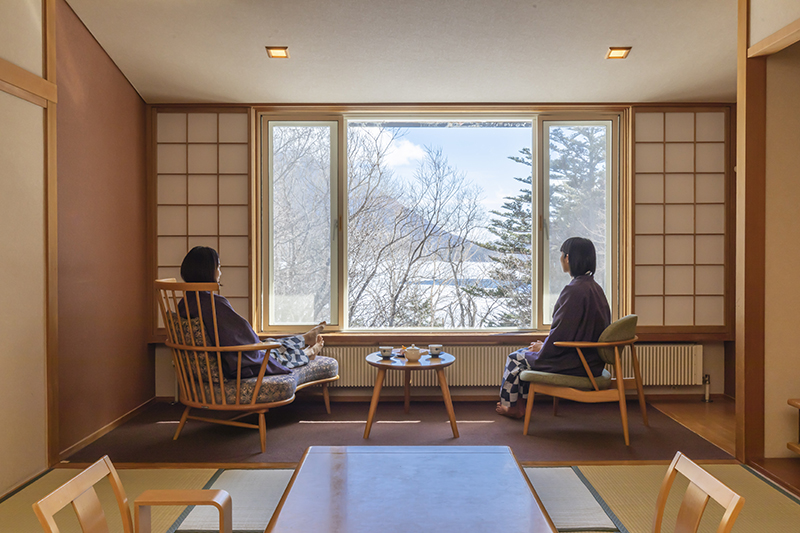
(326,398)
(555,405)
(639,389)
(623,411)
(182,423)
(262,431)
(528,409)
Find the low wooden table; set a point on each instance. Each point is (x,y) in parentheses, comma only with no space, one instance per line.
(426,362)
(441,489)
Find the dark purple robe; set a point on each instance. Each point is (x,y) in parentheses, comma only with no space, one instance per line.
(234,330)
(581,313)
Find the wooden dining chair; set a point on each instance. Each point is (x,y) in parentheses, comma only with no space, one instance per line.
(702,486)
(591,389)
(80,492)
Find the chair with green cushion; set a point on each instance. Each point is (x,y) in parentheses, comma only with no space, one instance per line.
(592,389)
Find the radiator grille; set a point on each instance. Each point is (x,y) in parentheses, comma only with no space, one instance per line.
(478,366)
(666,364)
(475,366)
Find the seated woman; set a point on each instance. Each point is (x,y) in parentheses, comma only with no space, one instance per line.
(581,313)
(202,265)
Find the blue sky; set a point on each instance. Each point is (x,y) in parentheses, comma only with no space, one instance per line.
(479,152)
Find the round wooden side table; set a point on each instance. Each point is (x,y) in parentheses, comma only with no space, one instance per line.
(426,362)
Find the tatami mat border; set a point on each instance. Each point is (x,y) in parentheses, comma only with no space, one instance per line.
(772,484)
(600,500)
(25,485)
(224,466)
(646,462)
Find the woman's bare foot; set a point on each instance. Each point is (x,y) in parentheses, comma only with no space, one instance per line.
(312,335)
(315,349)
(514,411)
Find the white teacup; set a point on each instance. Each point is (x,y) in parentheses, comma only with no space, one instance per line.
(435,349)
(386,351)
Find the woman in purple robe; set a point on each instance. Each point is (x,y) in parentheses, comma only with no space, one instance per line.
(581,313)
(202,265)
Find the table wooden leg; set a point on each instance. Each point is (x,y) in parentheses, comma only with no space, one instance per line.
(448,402)
(373,405)
(407,391)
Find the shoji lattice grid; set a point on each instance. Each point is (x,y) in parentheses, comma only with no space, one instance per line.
(203,193)
(680,218)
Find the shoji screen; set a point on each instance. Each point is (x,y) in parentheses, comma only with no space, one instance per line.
(203,194)
(681,191)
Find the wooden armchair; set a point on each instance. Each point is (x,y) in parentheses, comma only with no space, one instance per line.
(79,491)
(592,389)
(702,486)
(198,365)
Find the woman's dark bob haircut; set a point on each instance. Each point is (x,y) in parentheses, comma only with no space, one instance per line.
(582,257)
(200,265)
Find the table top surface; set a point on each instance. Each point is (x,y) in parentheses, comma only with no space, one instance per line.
(442,489)
(425,362)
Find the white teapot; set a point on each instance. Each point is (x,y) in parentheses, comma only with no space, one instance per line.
(413,353)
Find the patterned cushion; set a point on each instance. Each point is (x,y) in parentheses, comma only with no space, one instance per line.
(196,329)
(562,380)
(318,368)
(279,387)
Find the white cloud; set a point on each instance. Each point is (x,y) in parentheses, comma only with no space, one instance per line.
(403,152)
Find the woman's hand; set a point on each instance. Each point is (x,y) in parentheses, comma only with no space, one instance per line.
(536,346)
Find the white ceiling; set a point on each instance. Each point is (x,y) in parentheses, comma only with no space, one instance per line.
(410,51)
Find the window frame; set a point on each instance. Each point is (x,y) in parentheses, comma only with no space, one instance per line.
(618,115)
(262,255)
(614,199)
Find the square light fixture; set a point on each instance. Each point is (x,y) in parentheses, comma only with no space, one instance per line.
(618,52)
(278,52)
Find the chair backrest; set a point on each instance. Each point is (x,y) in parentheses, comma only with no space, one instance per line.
(620,330)
(702,486)
(198,362)
(79,491)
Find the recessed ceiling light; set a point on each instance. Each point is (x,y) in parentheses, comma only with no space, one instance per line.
(278,52)
(618,52)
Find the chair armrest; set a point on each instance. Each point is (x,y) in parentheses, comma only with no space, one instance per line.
(217,498)
(241,348)
(583,344)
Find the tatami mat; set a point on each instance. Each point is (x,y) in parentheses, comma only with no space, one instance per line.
(255,495)
(16,514)
(631,492)
(570,504)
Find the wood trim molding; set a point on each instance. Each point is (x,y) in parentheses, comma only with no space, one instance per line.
(781,39)
(49,92)
(103,430)
(13,90)
(750,248)
(26,81)
(51,302)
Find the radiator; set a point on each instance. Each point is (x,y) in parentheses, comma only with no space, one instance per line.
(477,366)
(666,364)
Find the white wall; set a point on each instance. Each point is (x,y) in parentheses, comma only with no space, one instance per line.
(23,440)
(769,16)
(782,288)
(21,34)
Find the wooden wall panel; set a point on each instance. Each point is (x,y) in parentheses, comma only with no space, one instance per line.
(104,368)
